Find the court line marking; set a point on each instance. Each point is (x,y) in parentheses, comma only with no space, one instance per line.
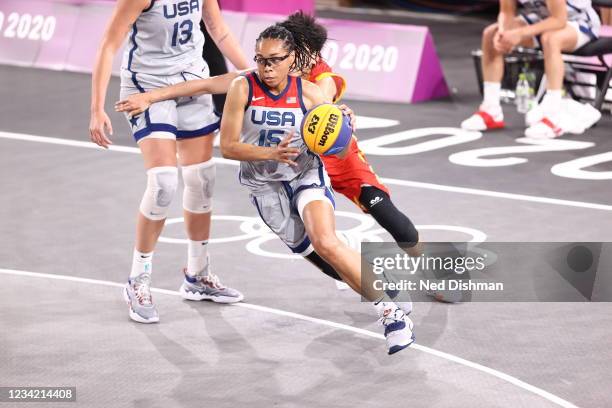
(391,181)
(450,357)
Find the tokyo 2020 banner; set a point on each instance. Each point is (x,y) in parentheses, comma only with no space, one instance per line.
(381,62)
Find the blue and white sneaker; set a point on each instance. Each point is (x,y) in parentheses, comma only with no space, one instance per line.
(137,294)
(208,287)
(398,328)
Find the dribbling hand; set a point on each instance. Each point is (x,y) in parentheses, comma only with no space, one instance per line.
(283,153)
(348,112)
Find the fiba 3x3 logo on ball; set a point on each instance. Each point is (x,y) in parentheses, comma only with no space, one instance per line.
(326,130)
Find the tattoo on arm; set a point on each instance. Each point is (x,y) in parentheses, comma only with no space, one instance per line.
(220,40)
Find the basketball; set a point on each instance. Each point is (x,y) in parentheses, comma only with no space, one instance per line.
(326,130)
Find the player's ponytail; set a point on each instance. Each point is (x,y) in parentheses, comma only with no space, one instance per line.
(306,31)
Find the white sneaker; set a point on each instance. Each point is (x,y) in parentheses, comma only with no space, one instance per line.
(534,115)
(484,119)
(137,294)
(578,117)
(398,328)
(207,286)
(544,129)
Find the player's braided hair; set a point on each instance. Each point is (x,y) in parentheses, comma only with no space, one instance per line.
(306,31)
(301,52)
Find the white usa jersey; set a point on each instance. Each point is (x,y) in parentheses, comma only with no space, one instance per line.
(579,11)
(165,38)
(268,119)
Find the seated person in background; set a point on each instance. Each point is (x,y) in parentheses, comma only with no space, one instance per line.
(555,26)
(606,15)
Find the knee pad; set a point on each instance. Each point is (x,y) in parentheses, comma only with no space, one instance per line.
(379,205)
(199,182)
(161,187)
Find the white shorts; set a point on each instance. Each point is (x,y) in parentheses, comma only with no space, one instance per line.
(175,118)
(281,206)
(584,33)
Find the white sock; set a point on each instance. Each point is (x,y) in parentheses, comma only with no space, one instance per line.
(141,263)
(197,258)
(552,100)
(492,96)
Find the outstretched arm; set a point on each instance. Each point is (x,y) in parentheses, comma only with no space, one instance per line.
(231,127)
(135,104)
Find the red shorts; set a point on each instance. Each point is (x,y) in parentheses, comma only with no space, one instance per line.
(348,175)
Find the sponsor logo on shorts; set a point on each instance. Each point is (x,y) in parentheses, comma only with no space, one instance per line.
(329,128)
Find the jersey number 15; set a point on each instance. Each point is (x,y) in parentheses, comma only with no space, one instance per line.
(268,138)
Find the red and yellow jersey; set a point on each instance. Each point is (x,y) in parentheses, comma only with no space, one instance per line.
(347,175)
(321,71)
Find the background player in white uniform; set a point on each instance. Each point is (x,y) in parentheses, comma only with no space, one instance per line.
(165,48)
(553,25)
(288,184)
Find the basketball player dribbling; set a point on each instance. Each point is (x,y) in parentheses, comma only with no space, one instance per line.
(288,184)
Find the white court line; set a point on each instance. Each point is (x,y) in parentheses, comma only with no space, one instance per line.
(498,374)
(497,194)
(391,181)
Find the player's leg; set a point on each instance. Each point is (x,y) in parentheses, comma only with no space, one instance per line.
(199,174)
(162,179)
(490,114)
(554,43)
(317,212)
(322,265)
(154,131)
(196,121)
(380,206)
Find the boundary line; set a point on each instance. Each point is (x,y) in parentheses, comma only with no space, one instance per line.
(391,181)
(450,357)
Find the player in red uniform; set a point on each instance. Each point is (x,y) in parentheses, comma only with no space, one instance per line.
(351,175)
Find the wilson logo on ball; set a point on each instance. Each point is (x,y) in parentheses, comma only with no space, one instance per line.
(325,130)
(330,128)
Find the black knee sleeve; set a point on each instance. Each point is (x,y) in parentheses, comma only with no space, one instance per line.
(323,265)
(379,205)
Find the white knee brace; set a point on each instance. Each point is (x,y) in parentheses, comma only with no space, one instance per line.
(199,182)
(161,187)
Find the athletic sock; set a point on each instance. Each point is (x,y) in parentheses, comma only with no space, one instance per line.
(141,263)
(492,98)
(197,258)
(552,101)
